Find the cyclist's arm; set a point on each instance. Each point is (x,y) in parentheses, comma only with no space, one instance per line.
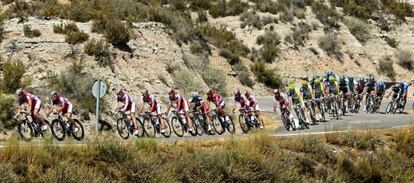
(169,106)
(30,104)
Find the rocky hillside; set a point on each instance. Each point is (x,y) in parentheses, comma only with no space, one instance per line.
(197,44)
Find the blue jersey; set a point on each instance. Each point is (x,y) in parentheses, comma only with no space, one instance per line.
(404,87)
(380,86)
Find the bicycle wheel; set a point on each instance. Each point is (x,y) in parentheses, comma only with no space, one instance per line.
(285,122)
(230,125)
(167,128)
(335,112)
(25,130)
(149,128)
(402,107)
(122,128)
(218,128)
(242,121)
(177,127)
(304,124)
(322,110)
(198,128)
(77,130)
(58,129)
(312,115)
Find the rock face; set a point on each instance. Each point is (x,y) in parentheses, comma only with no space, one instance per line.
(358,59)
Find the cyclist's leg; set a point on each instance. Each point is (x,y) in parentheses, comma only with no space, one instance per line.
(157,110)
(132,115)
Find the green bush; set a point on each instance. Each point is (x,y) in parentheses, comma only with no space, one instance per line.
(7,106)
(75,84)
(1,33)
(244,78)
(5,2)
(231,58)
(70,27)
(287,15)
(385,68)
(6,173)
(186,81)
(391,42)
(269,77)
(99,49)
(13,72)
(301,34)
(223,8)
(405,59)
(200,4)
(222,38)
(58,28)
(267,6)
(28,32)
(117,33)
(330,44)
(327,16)
(358,28)
(250,18)
(269,19)
(270,49)
(214,78)
(399,9)
(76,37)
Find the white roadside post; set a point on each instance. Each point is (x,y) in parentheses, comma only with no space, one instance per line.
(98,90)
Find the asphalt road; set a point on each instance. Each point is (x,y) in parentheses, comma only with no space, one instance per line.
(351,121)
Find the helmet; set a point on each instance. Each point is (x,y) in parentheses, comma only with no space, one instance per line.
(342,78)
(317,81)
(209,92)
(236,91)
(305,83)
(276,91)
(371,78)
(19,91)
(54,93)
(119,92)
(145,92)
(291,86)
(172,91)
(331,79)
(194,94)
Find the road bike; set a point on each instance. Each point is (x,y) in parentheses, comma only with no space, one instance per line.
(180,125)
(197,117)
(221,122)
(62,127)
(332,106)
(125,126)
(152,126)
(310,107)
(289,124)
(248,120)
(30,128)
(301,116)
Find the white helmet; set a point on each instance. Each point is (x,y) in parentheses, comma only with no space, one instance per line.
(19,91)
(53,93)
(194,94)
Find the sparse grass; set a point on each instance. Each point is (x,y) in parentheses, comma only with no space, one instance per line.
(326,15)
(257,158)
(270,49)
(405,59)
(330,44)
(99,49)
(301,34)
(385,67)
(28,32)
(391,42)
(358,28)
(267,76)
(222,8)
(76,37)
(250,18)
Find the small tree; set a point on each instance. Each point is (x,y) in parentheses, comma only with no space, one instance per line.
(117,33)
(12,76)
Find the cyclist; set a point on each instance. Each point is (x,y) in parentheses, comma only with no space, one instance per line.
(129,105)
(307,94)
(199,104)
(238,98)
(369,88)
(318,92)
(403,93)
(379,90)
(282,101)
(359,89)
(344,90)
(331,86)
(66,106)
(152,101)
(252,104)
(296,99)
(218,101)
(351,87)
(175,98)
(327,75)
(35,105)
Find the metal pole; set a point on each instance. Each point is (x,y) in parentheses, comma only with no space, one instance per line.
(97,104)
